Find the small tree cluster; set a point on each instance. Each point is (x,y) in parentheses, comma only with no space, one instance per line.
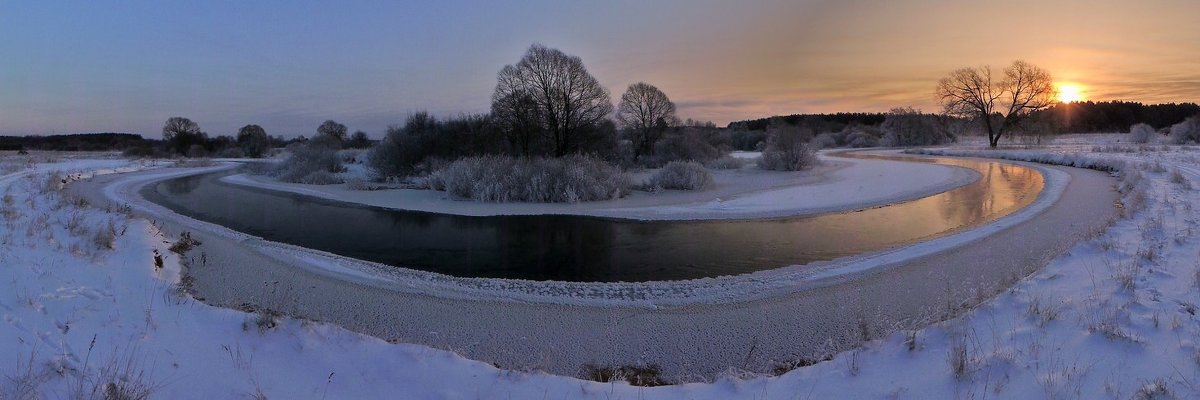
(417,146)
(909,127)
(547,103)
(182,136)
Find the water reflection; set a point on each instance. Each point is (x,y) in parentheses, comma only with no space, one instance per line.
(593,249)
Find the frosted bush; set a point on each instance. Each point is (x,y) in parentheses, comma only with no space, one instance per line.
(824,141)
(1186,131)
(1140,133)
(788,149)
(568,179)
(314,163)
(726,162)
(679,175)
(858,139)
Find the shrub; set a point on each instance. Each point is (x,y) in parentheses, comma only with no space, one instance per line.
(860,139)
(787,150)
(678,175)
(568,179)
(825,141)
(313,162)
(726,162)
(688,145)
(197,151)
(1140,133)
(1186,131)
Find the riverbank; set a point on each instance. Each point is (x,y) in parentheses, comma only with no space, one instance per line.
(840,184)
(692,328)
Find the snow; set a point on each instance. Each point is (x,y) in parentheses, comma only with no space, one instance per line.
(842,184)
(1113,317)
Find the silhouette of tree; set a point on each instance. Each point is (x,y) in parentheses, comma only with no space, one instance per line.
(359,140)
(645,113)
(567,98)
(181,134)
(973,93)
(332,129)
(253,140)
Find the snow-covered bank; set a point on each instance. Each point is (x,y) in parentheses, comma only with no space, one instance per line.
(1061,333)
(559,327)
(841,184)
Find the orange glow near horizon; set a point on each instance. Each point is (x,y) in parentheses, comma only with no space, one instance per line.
(1070,92)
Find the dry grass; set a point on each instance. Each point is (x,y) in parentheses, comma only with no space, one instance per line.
(649,375)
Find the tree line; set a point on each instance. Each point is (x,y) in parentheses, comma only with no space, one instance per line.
(1117,116)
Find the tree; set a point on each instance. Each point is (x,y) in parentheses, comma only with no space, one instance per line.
(566,97)
(517,115)
(359,140)
(906,126)
(333,129)
(1001,105)
(253,140)
(181,134)
(645,112)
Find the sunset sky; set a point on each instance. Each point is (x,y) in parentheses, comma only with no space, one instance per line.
(70,67)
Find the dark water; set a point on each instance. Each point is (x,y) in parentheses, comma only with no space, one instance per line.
(572,248)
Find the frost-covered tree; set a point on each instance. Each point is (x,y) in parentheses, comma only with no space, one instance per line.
(253,140)
(566,98)
(906,126)
(787,148)
(974,93)
(1186,131)
(1141,133)
(645,112)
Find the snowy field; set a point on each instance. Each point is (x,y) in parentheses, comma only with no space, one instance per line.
(86,314)
(749,192)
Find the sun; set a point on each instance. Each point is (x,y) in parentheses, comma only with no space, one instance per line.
(1069,93)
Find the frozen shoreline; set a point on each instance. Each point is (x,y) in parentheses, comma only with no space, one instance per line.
(841,184)
(558,326)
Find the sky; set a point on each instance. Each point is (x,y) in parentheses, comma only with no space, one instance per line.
(94,66)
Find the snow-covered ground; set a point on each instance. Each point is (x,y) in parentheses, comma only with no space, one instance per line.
(1113,317)
(840,184)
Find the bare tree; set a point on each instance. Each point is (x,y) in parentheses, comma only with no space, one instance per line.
(645,112)
(253,140)
(518,117)
(567,98)
(333,129)
(972,93)
(181,134)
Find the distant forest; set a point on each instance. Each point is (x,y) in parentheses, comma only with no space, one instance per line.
(75,142)
(1117,116)
(1080,117)
(818,120)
